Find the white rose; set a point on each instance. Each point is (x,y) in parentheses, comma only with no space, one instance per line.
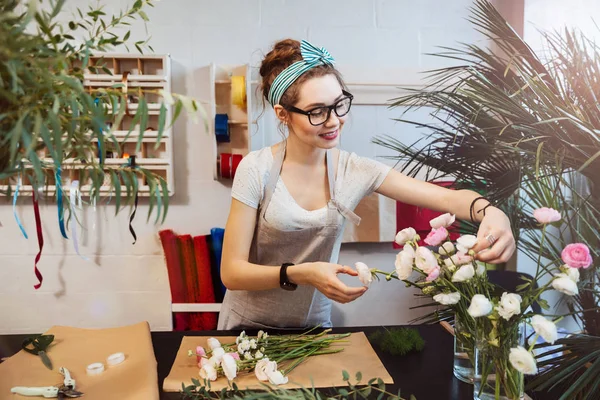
(522,360)
(545,328)
(564,284)
(464,273)
(247,356)
(444,220)
(208,372)
(510,304)
(465,242)
(229,366)
(364,273)
(447,249)
(404,264)
(480,306)
(213,343)
(253,344)
(425,260)
(260,369)
(405,235)
(447,298)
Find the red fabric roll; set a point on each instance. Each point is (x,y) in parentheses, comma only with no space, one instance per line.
(190,278)
(206,293)
(236,159)
(173,261)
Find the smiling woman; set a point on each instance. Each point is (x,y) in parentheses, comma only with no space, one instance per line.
(291,201)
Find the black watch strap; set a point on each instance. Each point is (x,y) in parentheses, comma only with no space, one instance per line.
(284,282)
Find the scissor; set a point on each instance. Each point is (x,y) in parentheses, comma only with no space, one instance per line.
(66,390)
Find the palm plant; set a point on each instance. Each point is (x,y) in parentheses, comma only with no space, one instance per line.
(45,106)
(524,130)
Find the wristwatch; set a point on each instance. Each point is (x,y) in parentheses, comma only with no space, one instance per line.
(284,282)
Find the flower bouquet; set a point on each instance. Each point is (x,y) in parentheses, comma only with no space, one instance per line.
(492,320)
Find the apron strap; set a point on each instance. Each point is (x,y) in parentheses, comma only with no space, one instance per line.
(337,206)
(273,177)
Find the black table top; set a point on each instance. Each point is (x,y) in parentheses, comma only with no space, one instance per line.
(426,374)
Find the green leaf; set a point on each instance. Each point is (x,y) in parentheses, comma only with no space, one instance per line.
(358,376)
(345,375)
(162,115)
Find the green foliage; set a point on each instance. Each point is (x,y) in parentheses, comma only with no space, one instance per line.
(202,390)
(398,341)
(38,345)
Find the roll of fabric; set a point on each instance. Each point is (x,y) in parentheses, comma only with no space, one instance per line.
(238,91)
(216,248)
(176,284)
(190,278)
(206,293)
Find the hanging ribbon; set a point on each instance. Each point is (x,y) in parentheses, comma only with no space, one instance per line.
(40,236)
(132,216)
(59,203)
(19,184)
(75,202)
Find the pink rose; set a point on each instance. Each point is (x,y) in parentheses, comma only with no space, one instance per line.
(576,255)
(436,236)
(433,275)
(546,215)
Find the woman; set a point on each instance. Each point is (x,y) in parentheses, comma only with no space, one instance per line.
(290,202)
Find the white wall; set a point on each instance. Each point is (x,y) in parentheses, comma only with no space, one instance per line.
(125,283)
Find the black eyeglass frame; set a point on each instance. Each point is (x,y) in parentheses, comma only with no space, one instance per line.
(347,95)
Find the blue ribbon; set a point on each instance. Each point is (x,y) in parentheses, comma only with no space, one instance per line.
(222,128)
(59,201)
(19,183)
(312,56)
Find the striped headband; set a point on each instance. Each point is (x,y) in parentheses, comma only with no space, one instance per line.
(311,57)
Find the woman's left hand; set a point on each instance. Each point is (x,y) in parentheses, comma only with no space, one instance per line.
(495,241)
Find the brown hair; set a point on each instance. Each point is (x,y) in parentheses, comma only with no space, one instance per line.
(285,53)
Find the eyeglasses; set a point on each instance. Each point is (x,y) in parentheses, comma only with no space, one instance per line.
(319,115)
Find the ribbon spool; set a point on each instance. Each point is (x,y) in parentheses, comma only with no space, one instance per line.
(115,359)
(95,369)
(227,164)
(238,91)
(222,128)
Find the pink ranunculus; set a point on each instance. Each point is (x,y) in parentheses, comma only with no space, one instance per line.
(200,352)
(461,258)
(433,275)
(546,215)
(235,355)
(576,255)
(425,260)
(436,236)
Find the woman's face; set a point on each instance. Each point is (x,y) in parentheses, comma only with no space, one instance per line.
(314,93)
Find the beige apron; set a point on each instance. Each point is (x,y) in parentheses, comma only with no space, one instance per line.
(279,308)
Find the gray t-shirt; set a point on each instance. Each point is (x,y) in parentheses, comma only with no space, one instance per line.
(356,178)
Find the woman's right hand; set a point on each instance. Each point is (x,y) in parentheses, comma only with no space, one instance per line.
(323,276)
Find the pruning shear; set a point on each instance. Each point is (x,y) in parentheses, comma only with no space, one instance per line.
(66,390)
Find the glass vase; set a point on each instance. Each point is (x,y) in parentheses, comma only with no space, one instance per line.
(464,350)
(495,378)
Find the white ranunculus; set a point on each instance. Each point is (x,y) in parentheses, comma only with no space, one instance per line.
(229,366)
(405,235)
(480,306)
(572,273)
(425,260)
(364,273)
(213,343)
(545,328)
(258,355)
(209,372)
(404,264)
(481,269)
(465,243)
(447,298)
(260,369)
(464,273)
(447,249)
(564,284)
(217,354)
(522,360)
(510,304)
(277,378)
(444,220)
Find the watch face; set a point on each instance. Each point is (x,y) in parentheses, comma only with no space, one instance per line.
(288,286)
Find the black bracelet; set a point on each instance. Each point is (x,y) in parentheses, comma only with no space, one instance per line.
(483,209)
(472,207)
